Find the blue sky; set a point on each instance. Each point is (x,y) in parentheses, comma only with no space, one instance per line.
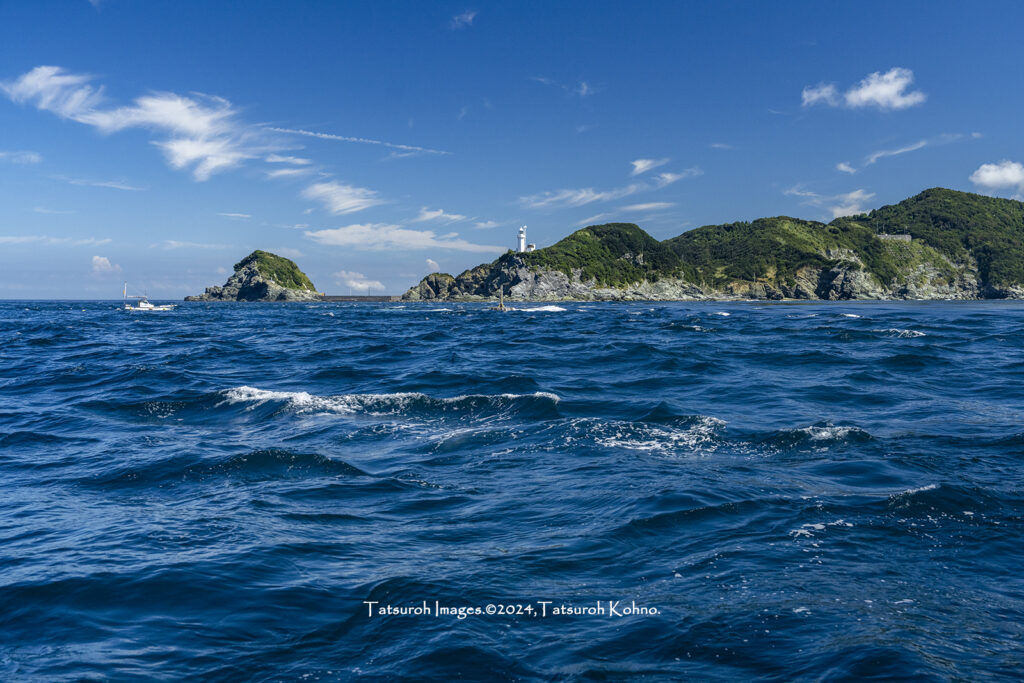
(374,142)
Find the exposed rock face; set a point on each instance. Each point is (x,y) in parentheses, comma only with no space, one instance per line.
(846,280)
(258,277)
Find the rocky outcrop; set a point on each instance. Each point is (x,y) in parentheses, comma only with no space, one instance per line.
(262,276)
(847,279)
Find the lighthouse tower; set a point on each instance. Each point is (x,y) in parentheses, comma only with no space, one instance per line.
(522,239)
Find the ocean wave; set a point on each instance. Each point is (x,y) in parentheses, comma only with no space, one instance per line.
(382,404)
(697,433)
(900,333)
(535,309)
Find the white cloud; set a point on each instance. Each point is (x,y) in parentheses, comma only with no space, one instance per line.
(112,184)
(357,281)
(437,215)
(101,265)
(650,206)
(363,141)
(588,195)
(23,157)
(52,241)
(885,91)
(944,139)
(850,203)
(1004,175)
(823,92)
(645,165)
(236,216)
(663,179)
(288,172)
(176,244)
(584,89)
(592,220)
(576,197)
(433,266)
(278,159)
(202,131)
(378,236)
(339,198)
(721,145)
(484,225)
(847,204)
(51,212)
(875,156)
(463,20)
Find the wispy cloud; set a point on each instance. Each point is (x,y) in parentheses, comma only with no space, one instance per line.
(649,206)
(236,216)
(582,88)
(641,166)
(176,244)
(279,159)
(287,251)
(202,132)
(439,215)
(847,204)
(885,91)
(21,157)
(379,236)
(592,220)
(463,20)
(721,145)
(101,265)
(944,139)
(112,184)
(289,172)
(51,212)
(357,281)
(362,141)
(588,195)
(433,266)
(1000,176)
(485,225)
(52,241)
(339,198)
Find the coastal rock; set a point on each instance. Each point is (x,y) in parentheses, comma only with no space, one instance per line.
(262,276)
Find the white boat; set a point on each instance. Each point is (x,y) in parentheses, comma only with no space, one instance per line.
(143,303)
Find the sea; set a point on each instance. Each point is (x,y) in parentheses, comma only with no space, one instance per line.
(559,492)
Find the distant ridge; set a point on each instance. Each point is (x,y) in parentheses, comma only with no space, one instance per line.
(939,244)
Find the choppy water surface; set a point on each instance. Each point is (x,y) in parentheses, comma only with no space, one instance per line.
(810,491)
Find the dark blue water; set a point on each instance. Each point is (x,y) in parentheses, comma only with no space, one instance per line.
(820,491)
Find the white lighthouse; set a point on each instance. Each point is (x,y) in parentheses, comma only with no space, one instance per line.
(522,239)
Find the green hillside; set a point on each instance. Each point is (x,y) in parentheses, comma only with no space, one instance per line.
(277,269)
(612,254)
(958,224)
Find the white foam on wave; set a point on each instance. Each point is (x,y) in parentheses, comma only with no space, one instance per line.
(850,315)
(534,309)
(830,432)
(722,313)
(902,334)
(646,437)
(919,489)
(374,404)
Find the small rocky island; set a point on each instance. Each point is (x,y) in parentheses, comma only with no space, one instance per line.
(939,244)
(262,276)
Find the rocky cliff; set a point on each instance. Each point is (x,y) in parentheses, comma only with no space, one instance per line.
(940,244)
(262,276)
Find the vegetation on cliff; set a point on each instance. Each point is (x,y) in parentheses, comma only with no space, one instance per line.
(961,225)
(960,245)
(612,254)
(277,269)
